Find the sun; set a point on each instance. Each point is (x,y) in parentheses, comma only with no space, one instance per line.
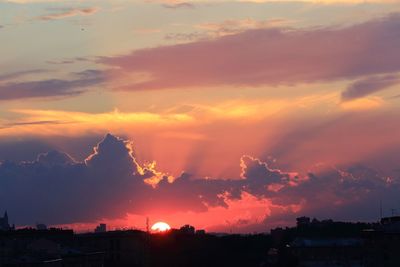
(160,227)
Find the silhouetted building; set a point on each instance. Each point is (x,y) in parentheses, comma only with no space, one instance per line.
(41,226)
(187,229)
(52,247)
(101,228)
(121,248)
(303,221)
(315,243)
(4,225)
(391,224)
(273,257)
(200,232)
(328,251)
(382,248)
(278,235)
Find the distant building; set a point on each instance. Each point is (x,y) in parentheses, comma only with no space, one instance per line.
(278,235)
(41,226)
(101,228)
(273,257)
(333,252)
(303,221)
(50,248)
(187,229)
(122,248)
(200,232)
(391,224)
(4,225)
(45,246)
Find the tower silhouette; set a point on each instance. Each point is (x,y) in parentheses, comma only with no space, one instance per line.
(4,225)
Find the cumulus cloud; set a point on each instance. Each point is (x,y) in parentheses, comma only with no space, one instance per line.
(269,57)
(110,183)
(56,189)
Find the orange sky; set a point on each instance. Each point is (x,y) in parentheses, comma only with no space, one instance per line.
(188,92)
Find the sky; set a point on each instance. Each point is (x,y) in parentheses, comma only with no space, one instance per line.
(231,116)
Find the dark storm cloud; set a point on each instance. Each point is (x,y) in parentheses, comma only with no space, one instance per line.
(51,87)
(58,189)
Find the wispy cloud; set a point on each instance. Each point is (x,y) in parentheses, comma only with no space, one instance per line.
(192,36)
(171,2)
(186,115)
(61,13)
(178,4)
(369,85)
(51,87)
(212,30)
(27,123)
(229,27)
(147,30)
(19,74)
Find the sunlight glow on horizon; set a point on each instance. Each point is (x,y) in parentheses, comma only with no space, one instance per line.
(160,227)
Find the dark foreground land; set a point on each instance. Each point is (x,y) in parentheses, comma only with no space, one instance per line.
(310,243)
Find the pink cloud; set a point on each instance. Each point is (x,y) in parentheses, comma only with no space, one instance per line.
(268,57)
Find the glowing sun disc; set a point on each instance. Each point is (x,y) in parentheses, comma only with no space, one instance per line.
(160,227)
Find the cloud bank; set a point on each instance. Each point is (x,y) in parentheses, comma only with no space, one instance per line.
(271,56)
(369,85)
(48,88)
(111,183)
(243,53)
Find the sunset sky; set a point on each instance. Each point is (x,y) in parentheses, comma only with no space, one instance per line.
(226,115)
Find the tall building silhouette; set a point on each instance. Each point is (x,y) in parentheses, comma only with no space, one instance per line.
(4,225)
(101,228)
